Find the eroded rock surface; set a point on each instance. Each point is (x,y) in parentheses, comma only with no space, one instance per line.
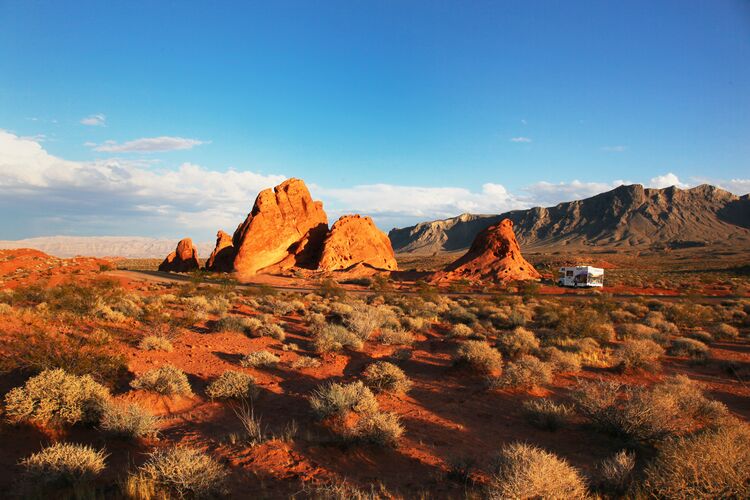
(183,259)
(353,240)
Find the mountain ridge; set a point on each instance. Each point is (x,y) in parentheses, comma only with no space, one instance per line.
(627,217)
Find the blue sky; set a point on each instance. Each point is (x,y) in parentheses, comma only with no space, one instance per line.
(454,106)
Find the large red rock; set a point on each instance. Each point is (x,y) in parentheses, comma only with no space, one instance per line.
(221,259)
(494,256)
(356,240)
(183,259)
(286,228)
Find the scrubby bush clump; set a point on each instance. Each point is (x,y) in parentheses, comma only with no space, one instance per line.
(525,471)
(57,397)
(616,472)
(517,343)
(128,420)
(239,324)
(186,472)
(525,373)
(62,465)
(167,380)
(379,427)
(383,376)
(155,343)
(336,338)
(232,385)
(259,359)
(479,355)
(689,347)
(642,354)
(546,414)
(711,464)
(648,414)
(334,399)
(723,331)
(396,336)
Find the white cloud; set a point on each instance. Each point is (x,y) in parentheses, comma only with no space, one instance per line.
(614,149)
(149,145)
(547,193)
(122,193)
(97,120)
(45,194)
(666,180)
(520,139)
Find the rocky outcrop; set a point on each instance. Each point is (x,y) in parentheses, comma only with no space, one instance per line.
(494,256)
(222,257)
(183,259)
(285,228)
(355,240)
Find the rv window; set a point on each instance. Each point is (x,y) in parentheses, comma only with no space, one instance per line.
(568,273)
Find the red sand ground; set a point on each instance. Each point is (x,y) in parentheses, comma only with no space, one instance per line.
(448,415)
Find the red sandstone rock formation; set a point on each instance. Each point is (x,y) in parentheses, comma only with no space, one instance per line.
(286,228)
(183,259)
(221,259)
(355,240)
(494,256)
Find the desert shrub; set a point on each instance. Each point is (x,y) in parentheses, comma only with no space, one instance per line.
(232,385)
(587,322)
(713,464)
(185,471)
(562,361)
(689,347)
(383,376)
(38,350)
(724,331)
(335,338)
(238,324)
(255,432)
(616,472)
(61,465)
(379,427)
(338,399)
(546,414)
(259,358)
(396,336)
(128,420)
(167,380)
(525,471)
(635,331)
(525,373)
(517,343)
(655,319)
(413,323)
(272,330)
(459,314)
(363,320)
(479,355)
(644,414)
(155,343)
(460,330)
(638,355)
(57,397)
(305,362)
(701,336)
(515,319)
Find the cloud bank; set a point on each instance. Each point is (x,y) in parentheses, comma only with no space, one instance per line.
(46,195)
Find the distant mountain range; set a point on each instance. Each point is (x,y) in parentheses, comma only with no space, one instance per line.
(628,217)
(104,246)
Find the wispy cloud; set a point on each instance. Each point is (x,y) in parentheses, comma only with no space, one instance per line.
(614,149)
(149,145)
(520,139)
(97,120)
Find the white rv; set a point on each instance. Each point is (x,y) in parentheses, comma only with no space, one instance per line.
(581,276)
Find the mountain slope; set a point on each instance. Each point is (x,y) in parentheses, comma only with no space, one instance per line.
(628,217)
